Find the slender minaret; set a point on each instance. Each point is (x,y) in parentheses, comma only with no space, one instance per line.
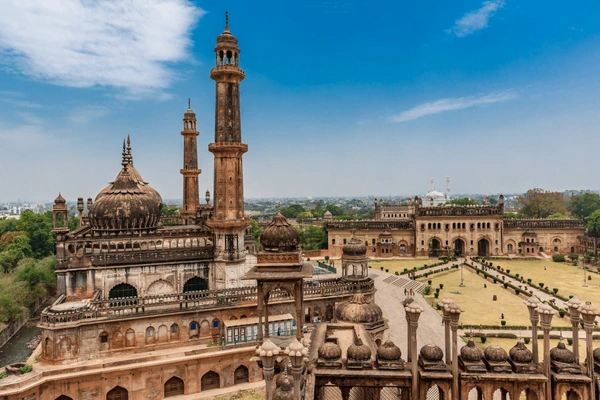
(190,171)
(447,188)
(228,222)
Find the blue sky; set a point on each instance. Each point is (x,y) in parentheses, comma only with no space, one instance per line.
(340,98)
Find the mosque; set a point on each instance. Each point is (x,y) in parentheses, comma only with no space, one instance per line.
(150,308)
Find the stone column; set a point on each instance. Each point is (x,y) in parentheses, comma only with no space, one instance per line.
(298,301)
(408,340)
(574,303)
(446,302)
(546,313)
(532,304)
(259,310)
(454,313)
(589,315)
(413,311)
(267,353)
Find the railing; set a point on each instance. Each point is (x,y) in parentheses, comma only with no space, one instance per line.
(327,267)
(455,210)
(543,224)
(142,256)
(372,224)
(205,300)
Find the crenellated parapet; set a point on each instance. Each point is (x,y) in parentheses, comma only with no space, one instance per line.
(459,211)
(370,224)
(544,223)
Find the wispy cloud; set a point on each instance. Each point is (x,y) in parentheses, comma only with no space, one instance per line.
(85,114)
(129,44)
(16,98)
(476,20)
(453,103)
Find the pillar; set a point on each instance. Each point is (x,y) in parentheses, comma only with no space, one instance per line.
(415,376)
(546,328)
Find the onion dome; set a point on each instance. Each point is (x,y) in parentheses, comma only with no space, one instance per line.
(471,352)
(330,351)
(597,355)
(189,113)
(431,353)
(388,351)
(285,387)
(279,235)
(520,353)
(495,354)
(359,311)
(359,351)
(328,215)
(561,354)
(355,247)
(60,200)
(282,378)
(127,203)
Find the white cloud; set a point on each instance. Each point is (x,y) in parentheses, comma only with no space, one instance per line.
(83,115)
(456,103)
(128,44)
(476,20)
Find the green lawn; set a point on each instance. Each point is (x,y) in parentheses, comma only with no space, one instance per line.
(567,278)
(399,265)
(477,301)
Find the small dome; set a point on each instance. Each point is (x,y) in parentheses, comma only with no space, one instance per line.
(328,215)
(359,351)
(284,378)
(330,351)
(284,387)
(189,114)
(279,235)
(495,354)
(520,353)
(561,354)
(60,200)
(471,352)
(358,310)
(226,37)
(597,355)
(388,351)
(355,247)
(431,353)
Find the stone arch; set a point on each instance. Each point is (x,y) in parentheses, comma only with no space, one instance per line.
(104,341)
(122,291)
(240,375)
(160,286)
(150,335)
(174,387)
(65,348)
(459,245)
(483,247)
(501,393)
(130,338)
(63,397)
(117,393)
(195,284)
(570,394)
(204,328)
(48,348)
(435,393)
(529,394)
(329,313)
(193,329)
(210,380)
(174,332)
(163,334)
(475,393)
(511,246)
(434,246)
(117,340)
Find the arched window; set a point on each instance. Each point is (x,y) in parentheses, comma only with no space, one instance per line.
(150,335)
(122,290)
(210,380)
(240,375)
(193,329)
(63,397)
(174,332)
(174,387)
(195,285)
(215,323)
(117,393)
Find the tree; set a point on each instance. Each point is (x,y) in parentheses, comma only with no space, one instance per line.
(513,216)
(73,222)
(169,210)
(583,205)
(539,203)
(313,238)
(17,250)
(558,215)
(318,210)
(292,211)
(593,229)
(38,228)
(464,201)
(334,210)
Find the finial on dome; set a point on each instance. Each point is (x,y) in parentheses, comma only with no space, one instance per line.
(124,154)
(227,20)
(189,104)
(129,156)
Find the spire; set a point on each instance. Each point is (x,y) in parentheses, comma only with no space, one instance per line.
(124,163)
(189,104)
(226,21)
(129,156)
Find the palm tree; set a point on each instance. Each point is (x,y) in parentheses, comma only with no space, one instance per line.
(593,229)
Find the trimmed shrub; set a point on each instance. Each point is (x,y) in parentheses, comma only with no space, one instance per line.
(483,338)
(405,269)
(397,273)
(427,290)
(508,271)
(387,270)
(529,281)
(570,341)
(541,285)
(437,290)
(429,281)
(326,258)
(505,285)
(517,275)
(441,285)
(381,268)
(436,295)
(527,340)
(555,290)
(558,257)
(503,322)
(561,313)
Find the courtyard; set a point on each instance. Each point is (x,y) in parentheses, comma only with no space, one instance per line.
(564,276)
(478,301)
(399,265)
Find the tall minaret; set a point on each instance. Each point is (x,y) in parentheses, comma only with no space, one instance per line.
(228,222)
(190,171)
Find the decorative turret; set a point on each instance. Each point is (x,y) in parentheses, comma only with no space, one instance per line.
(60,215)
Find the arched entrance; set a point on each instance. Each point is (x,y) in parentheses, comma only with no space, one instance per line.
(240,375)
(434,247)
(210,380)
(459,248)
(174,387)
(483,248)
(195,285)
(117,393)
(122,291)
